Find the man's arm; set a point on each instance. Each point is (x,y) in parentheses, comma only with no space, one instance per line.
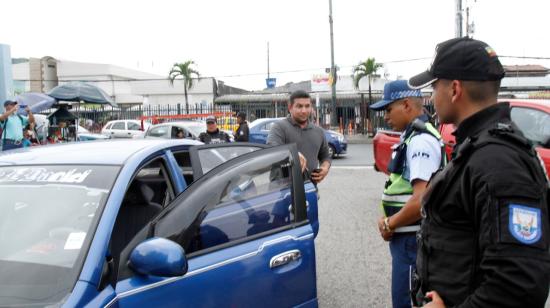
(30,115)
(7,114)
(325,159)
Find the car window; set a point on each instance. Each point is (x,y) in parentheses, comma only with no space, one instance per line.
(108,126)
(268,126)
(133,126)
(148,193)
(184,162)
(159,131)
(213,157)
(49,215)
(118,125)
(254,196)
(534,124)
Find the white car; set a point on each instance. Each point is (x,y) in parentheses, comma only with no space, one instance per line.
(83,134)
(124,129)
(168,130)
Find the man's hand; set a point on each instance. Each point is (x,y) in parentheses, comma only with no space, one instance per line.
(386,235)
(303,162)
(437,301)
(28,109)
(319,176)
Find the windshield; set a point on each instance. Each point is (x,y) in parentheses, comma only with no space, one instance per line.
(196,129)
(48,217)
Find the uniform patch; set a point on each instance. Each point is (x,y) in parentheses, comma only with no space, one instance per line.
(525,223)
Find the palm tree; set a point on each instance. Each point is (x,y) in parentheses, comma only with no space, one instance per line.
(186,72)
(368,69)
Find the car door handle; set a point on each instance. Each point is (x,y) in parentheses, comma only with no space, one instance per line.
(285,258)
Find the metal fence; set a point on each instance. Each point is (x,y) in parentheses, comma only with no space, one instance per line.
(354,116)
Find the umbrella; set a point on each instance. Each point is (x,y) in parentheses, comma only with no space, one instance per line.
(80,91)
(37,102)
(61,114)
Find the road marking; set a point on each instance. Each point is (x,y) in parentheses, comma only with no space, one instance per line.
(353,167)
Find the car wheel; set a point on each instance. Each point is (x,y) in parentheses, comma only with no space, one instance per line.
(332,151)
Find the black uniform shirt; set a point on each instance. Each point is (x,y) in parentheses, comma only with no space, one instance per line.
(241,135)
(216,137)
(484,238)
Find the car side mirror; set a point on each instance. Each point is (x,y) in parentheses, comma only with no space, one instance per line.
(158,257)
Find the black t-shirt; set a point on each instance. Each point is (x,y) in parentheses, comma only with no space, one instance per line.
(216,137)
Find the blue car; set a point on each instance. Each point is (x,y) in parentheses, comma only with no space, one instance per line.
(259,129)
(156,223)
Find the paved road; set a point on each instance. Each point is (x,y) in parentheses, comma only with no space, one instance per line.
(353,262)
(358,155)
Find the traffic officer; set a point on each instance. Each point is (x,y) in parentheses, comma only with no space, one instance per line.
(484,238)
(419,154)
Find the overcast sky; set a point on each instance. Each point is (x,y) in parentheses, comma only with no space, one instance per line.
(228,38)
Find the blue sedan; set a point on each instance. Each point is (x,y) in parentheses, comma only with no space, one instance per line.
(259,129)
(156,223)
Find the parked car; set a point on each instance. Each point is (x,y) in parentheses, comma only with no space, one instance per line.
(259,129)
(156,223)
(531,116)
(83,134)
(191,130)
(124,129)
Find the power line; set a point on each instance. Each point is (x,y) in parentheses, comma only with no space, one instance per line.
(259,74)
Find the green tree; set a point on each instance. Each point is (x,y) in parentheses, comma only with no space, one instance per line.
(186,72)
(367,69)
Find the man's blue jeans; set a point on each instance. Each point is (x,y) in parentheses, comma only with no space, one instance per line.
(403,252)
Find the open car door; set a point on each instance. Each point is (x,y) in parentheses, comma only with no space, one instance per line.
(245,234)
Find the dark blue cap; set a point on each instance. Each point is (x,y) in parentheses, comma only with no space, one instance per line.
(395,90)
(9,102)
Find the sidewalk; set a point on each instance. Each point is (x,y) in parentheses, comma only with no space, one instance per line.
(358,139)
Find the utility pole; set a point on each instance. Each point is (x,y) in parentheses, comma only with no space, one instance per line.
(458,19)
(333,115)
(267,60)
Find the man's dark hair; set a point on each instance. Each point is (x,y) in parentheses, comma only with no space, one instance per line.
(482,91)
(298,94)
(241,115)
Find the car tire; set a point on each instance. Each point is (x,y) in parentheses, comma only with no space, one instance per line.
(332,151)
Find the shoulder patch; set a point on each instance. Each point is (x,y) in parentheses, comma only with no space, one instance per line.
(525,223)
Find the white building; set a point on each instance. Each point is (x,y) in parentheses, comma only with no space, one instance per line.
(125,86)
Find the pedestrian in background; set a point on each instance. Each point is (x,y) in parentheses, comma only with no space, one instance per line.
(13,124)
(419,154)
(242,132)
(309,138)
(213,134)
(485,234)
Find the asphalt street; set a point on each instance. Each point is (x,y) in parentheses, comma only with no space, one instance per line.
(353,262)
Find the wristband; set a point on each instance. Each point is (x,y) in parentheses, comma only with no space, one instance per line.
(387,225)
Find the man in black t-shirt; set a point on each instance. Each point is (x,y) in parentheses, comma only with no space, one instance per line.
(213,134)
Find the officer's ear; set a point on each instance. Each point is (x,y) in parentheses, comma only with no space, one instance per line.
(457,90)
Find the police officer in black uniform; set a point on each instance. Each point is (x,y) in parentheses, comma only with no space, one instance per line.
(242,132)
(484,240)
(213,134)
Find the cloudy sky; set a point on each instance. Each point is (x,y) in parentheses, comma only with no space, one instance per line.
(227,39)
